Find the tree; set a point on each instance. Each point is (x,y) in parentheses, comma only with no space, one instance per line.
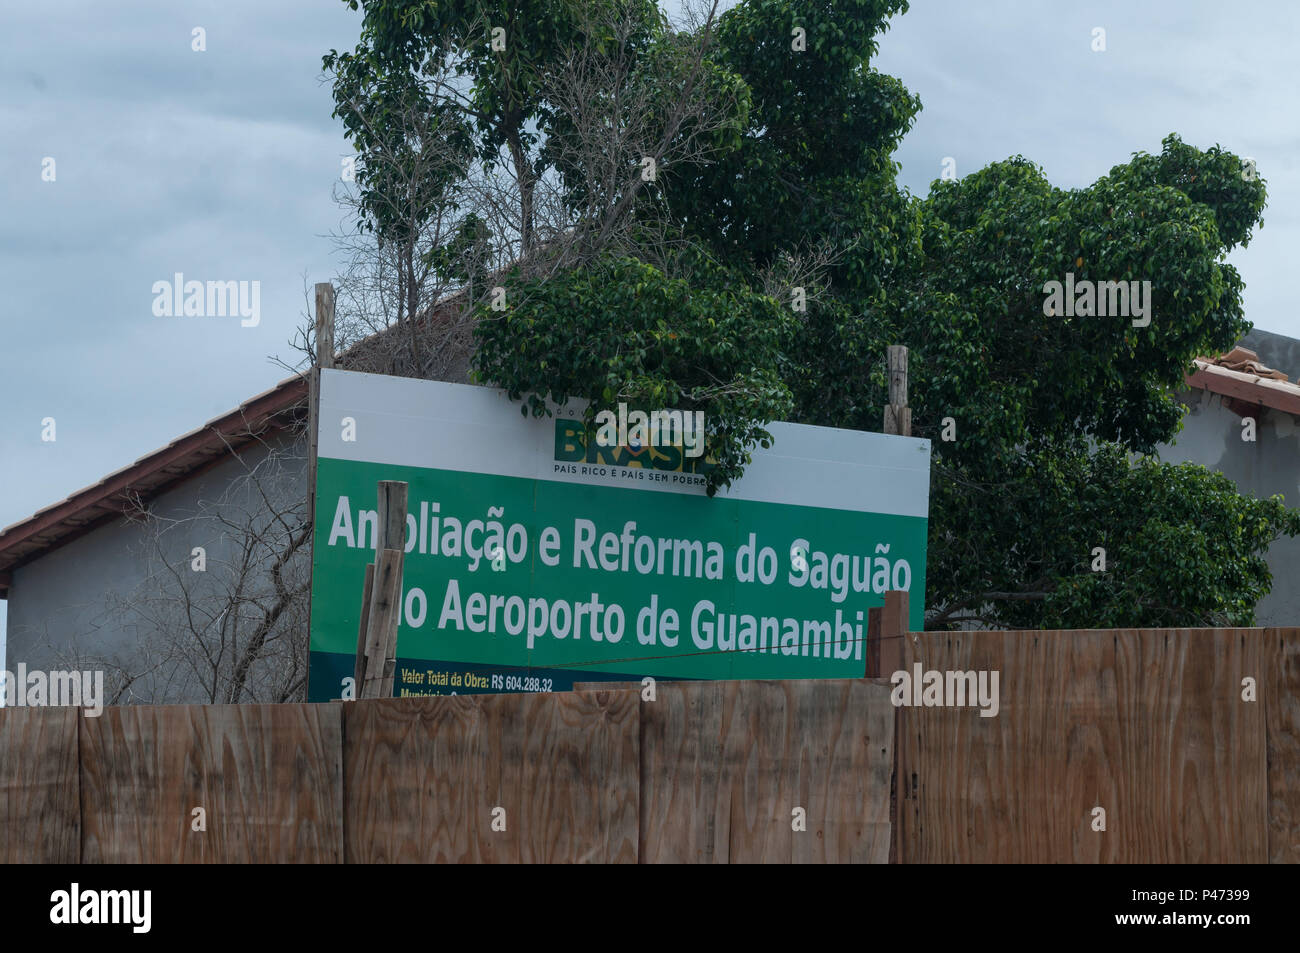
(1080,537)
(495,137)
(1044,406)
(416,250)
(794,222)
(596,110)
(621,330)
(1051,410)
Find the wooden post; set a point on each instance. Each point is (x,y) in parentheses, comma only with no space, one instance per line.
(887,626)
(323,357)
(324,324)
(873,643)
(391,509)
(385,604)
(386,593)
(888,654)
(898,416)
(893,655)
(359,670)
(392,518)
(893,629)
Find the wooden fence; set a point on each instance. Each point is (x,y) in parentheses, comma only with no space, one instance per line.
(1149,726)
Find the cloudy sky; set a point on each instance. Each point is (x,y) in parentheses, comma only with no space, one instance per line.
(219,164)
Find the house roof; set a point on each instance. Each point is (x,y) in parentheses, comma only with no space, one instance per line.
(116,494)
(1239,376)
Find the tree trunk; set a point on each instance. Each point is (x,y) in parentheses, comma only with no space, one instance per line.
(525,178)
(412,304)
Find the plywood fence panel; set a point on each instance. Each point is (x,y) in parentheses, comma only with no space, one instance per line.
(1148,725)
(40,806)
(1279,691)
(269,778)
(424,778)
(725,765)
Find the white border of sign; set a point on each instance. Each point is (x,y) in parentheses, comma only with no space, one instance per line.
(855,470)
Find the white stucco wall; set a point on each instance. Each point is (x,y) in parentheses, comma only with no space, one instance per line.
(1270,465)
(66,604)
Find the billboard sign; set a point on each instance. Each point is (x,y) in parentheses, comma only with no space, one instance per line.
(534,560)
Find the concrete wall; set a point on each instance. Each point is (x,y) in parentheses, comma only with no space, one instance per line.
(107,597)
(1275,350)
(1211,436)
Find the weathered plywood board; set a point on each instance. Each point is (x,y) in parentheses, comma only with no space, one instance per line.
(40,806)
(424,776)
(1279,689)
(1148,725)
(269,778)
(725,765)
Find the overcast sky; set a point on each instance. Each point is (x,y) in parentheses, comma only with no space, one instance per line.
(219,165)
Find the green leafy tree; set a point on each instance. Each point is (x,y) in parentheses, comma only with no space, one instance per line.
(497,53)
(622,331)
(782,267)
(1050,412)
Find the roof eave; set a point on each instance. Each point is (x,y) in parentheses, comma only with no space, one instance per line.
(1279,395)
(56,525)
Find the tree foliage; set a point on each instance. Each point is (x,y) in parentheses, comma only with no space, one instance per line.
(641,337)
(788,196)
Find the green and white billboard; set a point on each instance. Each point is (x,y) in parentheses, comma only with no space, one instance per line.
(534,561)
